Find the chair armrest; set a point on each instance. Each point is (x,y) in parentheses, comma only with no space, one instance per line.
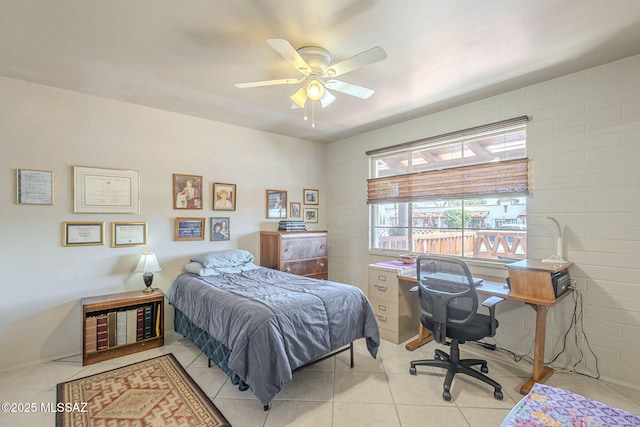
(491,303)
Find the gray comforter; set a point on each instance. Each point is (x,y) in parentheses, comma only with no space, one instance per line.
(274,322)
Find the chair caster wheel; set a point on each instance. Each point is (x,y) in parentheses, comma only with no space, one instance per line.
(446,395)
(497,394)
(412,370)
(484,369)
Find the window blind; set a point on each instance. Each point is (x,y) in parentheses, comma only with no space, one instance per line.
(488,179)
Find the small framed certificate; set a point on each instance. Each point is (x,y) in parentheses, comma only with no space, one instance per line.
(125,234)
(34,187)
(82,233)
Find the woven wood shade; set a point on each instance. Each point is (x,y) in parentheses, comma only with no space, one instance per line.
(489,179)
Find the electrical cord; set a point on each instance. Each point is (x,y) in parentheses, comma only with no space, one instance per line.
(578,318)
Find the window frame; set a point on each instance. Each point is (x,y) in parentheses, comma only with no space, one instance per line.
(409,151)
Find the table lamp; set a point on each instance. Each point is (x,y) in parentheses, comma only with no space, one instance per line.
(148,264)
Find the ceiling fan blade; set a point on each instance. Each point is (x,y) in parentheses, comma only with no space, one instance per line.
(350,89)
(287,51)
(360,60)
(269,83)
(327,99)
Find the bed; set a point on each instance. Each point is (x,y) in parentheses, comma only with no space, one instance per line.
(550,406)
(259,325)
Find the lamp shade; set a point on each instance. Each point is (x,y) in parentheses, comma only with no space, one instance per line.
(148,263)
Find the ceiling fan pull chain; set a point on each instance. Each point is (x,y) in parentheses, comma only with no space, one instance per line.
(313,114)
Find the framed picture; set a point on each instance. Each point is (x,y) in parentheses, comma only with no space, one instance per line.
(125,234)
(310,197)
(189,229)
(34,187)
(220,228)
(310,214)
(295,210)
(98,190)
(82,233)
(224,197)
(187,191)
(276,204)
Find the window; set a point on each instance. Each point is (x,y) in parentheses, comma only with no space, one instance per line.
(462,193)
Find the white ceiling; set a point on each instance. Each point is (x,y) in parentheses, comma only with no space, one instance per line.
(185,55)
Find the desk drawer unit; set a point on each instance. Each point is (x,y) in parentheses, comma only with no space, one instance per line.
(396,309)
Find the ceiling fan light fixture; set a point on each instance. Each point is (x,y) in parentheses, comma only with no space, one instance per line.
(300,97)
(315,90)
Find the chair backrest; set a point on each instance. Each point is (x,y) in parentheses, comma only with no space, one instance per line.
(447,293)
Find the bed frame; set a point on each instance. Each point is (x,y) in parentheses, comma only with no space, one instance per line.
(217,353)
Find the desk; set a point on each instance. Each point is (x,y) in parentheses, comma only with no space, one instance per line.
(495,286)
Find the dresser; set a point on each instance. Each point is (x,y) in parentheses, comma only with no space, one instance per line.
(395,306)
(298,252)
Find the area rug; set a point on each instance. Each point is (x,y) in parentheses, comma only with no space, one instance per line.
(155,392)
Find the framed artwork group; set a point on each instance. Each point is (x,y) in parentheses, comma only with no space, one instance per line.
(108,191)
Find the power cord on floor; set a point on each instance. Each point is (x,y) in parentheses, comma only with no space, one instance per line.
(576,319)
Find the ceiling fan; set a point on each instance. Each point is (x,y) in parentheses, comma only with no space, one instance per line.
(313,63)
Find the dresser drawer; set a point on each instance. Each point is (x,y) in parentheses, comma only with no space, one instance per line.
(386,314)
(383,285)
(303,246)
(307,267)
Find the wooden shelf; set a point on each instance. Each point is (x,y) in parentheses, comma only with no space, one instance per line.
(113,303)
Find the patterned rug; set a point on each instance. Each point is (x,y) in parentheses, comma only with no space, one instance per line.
(155,392)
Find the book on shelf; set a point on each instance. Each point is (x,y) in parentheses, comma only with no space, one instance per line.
(131,325)
(102,334)
(121,327)
(111,329)
(91,338)
(140,324)
(148,321)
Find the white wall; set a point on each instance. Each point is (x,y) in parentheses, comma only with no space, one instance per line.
(583,141)
(50,129)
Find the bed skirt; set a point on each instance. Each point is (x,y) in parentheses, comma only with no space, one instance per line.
(212,348)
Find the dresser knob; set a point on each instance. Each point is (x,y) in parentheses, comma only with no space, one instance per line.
(322,247)
(288,269)
(322,264)
(287,249)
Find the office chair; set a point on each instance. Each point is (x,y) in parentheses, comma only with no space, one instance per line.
(448,302)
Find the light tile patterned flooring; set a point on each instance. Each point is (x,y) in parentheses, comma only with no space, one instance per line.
(376,392)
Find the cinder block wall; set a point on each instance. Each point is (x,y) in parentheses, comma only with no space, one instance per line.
(583,141)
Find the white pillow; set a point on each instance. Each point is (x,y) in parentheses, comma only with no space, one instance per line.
(227,258)
(200,270)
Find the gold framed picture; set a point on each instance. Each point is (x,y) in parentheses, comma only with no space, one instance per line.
(311,197)
(276,204)
(187,191)
(82,233)
(224,197)
(124,234)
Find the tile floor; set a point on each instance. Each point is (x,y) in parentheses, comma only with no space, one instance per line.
(376,392)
